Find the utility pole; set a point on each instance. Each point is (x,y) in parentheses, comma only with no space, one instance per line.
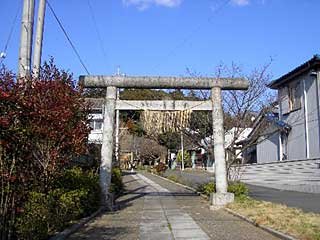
(39,37)
(117,130)
(24,66)
(117,123)
(182,153)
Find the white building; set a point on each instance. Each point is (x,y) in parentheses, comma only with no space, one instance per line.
(96,120)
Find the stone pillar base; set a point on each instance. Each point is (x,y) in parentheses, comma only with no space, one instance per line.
(219,200)
(107,203)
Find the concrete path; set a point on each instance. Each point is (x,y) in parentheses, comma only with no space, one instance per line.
(308,202)
(154,209)
(162,218)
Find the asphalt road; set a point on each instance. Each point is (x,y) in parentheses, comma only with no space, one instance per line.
(308,202)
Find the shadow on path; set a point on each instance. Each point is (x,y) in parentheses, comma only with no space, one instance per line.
(104,233)
(140,192)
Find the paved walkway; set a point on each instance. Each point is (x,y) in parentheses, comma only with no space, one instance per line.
(155,209)
(308,202)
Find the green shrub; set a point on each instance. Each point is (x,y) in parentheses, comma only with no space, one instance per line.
(117,185)
(149,169)
(207,188)
(87,181)
(67,206)
(34,222)
(141,167)
(76,194)
(239,189)
(173,178)
(186,158)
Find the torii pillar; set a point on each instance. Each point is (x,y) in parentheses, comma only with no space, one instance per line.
(111,83)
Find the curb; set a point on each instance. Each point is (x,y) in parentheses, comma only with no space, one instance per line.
(181,185)
(276,233)
(75,227)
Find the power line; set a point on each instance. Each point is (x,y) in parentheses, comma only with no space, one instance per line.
(68,38)
(195,30)
(10,32)
(97,30)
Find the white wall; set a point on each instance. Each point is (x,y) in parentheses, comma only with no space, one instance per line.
(95,136)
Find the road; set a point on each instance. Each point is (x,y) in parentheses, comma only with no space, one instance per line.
(308,202)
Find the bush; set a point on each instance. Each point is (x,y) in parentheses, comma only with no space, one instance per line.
(207,188)
(43,126)
(67,206)
(75,195)
(77,179)
(186,158)
(173,178)
(34,222)
(160,168)
(141,168)
(239,189)
(117,185)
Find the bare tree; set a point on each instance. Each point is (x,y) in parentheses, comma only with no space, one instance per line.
(240,109)
(151,151)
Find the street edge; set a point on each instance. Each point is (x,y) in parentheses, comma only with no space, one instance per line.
(75,227)
(276,233)
(181,185)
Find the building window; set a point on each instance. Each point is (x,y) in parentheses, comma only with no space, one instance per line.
(96,124)
(294,96)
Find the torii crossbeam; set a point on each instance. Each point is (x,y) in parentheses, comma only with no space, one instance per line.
(111,83)
(164,82)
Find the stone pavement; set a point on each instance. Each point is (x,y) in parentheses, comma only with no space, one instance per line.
(153,208)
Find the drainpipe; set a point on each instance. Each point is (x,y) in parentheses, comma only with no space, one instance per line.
(306,118)
(318,98)
(280,118)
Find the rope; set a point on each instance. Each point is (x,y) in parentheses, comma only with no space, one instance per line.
(145,109)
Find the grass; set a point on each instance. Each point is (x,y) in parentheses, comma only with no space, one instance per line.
(173,178)
(200,170)
(288,220)
(170,227)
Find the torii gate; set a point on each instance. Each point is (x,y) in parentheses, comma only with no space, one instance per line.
(111,83)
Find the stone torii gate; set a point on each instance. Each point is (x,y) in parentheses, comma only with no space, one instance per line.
(111,83)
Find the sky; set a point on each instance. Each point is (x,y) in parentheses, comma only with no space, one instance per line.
(168,37)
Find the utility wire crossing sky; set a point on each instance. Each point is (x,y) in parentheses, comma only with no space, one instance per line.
(167,37)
